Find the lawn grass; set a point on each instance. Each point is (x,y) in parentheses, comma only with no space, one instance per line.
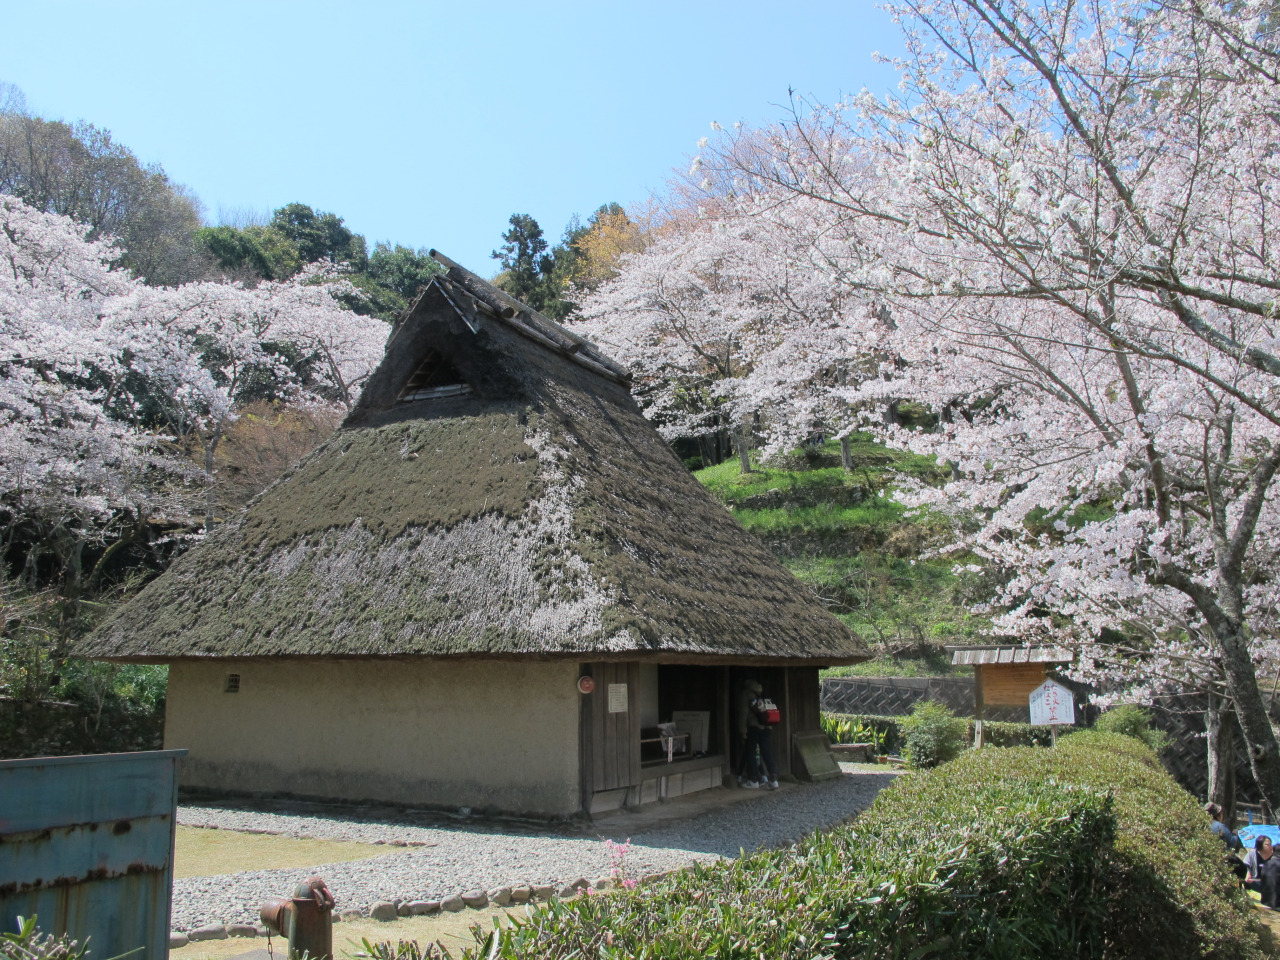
(452,930)
(864,556)
(211,853)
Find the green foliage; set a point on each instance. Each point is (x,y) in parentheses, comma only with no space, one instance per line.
(840,532)
(526,266)
(837,729)
(540,275)
(53,705)
(852,730)
(994,734)
(1002,854)
(931,735)
(1133,721)
(236,251)
(320,236)
(403,950)
(1171,894)
(28,943)
(401,270)
(929,662)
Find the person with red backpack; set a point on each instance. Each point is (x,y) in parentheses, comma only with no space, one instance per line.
(756,716)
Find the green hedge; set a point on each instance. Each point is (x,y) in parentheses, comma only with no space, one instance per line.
(993,734)
(1013,853)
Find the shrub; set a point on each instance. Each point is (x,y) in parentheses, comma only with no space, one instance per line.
(931,735)
(950,865)
(28,943)
(995,734)
(1083,851)
(1133,721)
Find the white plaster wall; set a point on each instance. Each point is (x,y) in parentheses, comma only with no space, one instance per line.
(422,732)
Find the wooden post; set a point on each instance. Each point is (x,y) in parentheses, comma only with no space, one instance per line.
(1053,734)
(977,706)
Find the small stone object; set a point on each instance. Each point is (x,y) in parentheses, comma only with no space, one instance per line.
(476,899)
(423,908)
(603,883)
(500,897)
(453,904)
(262,927)
(465,811)
(580,884)
(210,931)
(383,910)
(543,891)
(403,909)
(568,891)
(336,918)
(521,894)
(241,930)
(651,877)
(399,843)
(177,940)
(351,913)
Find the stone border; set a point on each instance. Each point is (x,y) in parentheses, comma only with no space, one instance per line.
(389,910)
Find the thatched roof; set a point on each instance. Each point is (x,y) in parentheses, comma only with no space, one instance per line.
(496,493)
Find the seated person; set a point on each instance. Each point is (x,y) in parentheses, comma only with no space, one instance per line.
(1260,853)
(1221,829)
(1269,882)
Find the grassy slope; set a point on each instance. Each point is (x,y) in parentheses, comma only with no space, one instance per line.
(864,557)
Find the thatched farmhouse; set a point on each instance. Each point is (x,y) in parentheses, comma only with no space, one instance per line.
(495,586)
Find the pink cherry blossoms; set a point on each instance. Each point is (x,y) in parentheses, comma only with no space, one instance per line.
(1061,238)
(106,384)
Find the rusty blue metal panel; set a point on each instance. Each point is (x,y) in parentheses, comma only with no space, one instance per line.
(86,845)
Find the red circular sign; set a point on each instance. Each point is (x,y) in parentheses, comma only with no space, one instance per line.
(586,684)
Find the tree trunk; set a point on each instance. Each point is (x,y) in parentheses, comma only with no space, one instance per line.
(210,448)
(846,454)
(1251,712)
(890,415)
(742,440)
(1221,736)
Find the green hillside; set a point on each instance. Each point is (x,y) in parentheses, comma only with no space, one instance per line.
(868,560)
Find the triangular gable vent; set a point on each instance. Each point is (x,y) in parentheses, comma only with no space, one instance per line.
(435,377)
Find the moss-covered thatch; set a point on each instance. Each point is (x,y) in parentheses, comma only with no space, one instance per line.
(538,515)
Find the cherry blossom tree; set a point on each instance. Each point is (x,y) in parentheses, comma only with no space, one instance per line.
(729,326)
(105,383)
(1068,218)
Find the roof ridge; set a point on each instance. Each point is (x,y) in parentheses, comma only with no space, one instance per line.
(523,318)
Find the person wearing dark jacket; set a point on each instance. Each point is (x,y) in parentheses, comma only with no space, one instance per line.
(756,737)
(1264,873)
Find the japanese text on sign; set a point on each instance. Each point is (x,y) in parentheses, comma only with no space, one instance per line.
(1052,705)
(617,698)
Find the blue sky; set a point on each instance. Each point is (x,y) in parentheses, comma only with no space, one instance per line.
(429,124)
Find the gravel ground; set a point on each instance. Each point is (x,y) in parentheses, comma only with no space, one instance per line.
(444,855)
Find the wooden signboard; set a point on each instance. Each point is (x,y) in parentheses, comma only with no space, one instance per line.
(816,761)
(1008,684)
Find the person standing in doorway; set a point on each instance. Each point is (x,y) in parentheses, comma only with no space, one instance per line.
(756,768)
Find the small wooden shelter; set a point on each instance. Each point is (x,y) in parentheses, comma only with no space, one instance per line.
(495,586)
(1005,674)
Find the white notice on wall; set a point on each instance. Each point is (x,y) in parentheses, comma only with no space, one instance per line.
(617,698)
(1052,705)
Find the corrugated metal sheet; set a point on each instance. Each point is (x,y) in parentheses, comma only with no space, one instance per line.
(1009,654)
(86,845)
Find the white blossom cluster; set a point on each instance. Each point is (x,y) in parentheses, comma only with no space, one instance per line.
(110,387)
(1061,238)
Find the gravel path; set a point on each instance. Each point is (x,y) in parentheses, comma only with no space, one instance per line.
(443,855)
